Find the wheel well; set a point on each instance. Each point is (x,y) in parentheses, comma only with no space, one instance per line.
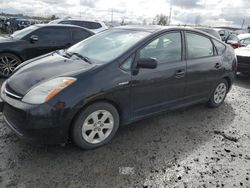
(14,53)
(228,81)
(90,103)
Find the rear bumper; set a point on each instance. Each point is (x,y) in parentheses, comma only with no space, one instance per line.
(243,64)
(40,124)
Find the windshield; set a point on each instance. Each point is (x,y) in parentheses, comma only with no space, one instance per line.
(22,33)
(107,46)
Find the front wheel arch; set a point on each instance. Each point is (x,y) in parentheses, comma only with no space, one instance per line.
(87,105)
(75,130)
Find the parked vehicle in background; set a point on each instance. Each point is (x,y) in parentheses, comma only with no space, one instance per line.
(233,40)
(22,23)
(224,33)
(95,26)
(210,31)
(243,57)
(244,39)
(114,78)
(37,40)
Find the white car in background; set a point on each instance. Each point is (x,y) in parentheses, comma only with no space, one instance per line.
(244,39)
(95,26)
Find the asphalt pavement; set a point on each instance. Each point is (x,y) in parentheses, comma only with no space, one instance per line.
(191,147)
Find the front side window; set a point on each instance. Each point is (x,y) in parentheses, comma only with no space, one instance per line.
(52,34)
(107,46)
(164,49)
(198,46)
(24,32)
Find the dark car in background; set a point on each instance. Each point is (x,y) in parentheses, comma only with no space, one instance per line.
(37,40)
(243,57)
(114,78)
(210,31)
(224,33)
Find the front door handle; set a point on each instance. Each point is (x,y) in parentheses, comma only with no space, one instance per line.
(180,74)
(217,65)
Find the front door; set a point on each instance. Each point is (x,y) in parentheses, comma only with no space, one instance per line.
(49,39)
(157,89)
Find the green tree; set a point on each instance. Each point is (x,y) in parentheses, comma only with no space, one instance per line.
(161,19)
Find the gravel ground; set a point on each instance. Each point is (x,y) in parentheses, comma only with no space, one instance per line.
(191,147)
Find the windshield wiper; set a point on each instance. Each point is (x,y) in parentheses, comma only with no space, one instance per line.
(84,58)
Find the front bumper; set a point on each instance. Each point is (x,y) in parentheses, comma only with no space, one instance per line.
(41,124)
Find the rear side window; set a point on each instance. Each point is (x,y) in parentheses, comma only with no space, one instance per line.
(79,34)
(199,46)
(86,24)
(219,46)
(94,25)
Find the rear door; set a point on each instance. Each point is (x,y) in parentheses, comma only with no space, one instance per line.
(204,66)
(157,89)
(49,39)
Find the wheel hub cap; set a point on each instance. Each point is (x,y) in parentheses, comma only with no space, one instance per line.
(97,126)
(220,93)
(8,64)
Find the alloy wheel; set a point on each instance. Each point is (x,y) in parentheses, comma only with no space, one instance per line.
(220,93)
(7,64)
(97,126)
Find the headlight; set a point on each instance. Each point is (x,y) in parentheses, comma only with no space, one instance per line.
(47,90)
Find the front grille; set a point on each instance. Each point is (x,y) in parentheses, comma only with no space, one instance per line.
(11,93)
(243,59)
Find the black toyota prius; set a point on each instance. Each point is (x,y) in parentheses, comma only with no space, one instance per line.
(114,78)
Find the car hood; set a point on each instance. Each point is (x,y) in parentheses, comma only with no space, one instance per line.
(243,51)
(6,40)
(41,69)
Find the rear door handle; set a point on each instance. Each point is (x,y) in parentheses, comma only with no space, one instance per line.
(217,65)
(180,74)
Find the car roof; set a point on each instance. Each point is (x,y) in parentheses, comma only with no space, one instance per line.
(205,28)
(75,19)
(153,28)
(156,28)
(61,25)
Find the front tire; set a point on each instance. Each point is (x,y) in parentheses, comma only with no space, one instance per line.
(95,126)
(8,63)
(219,94)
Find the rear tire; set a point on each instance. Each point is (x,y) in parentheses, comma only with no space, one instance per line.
(219,94)
(8,63)
(95,126)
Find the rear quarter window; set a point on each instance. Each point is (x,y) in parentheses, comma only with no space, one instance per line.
(219,47)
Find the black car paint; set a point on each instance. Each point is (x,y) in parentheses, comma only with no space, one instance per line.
(25,49)
(136,93)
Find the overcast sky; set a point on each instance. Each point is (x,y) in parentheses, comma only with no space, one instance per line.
(212,12)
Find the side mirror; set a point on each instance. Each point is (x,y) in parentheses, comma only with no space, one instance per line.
(33,38)
(147,63)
